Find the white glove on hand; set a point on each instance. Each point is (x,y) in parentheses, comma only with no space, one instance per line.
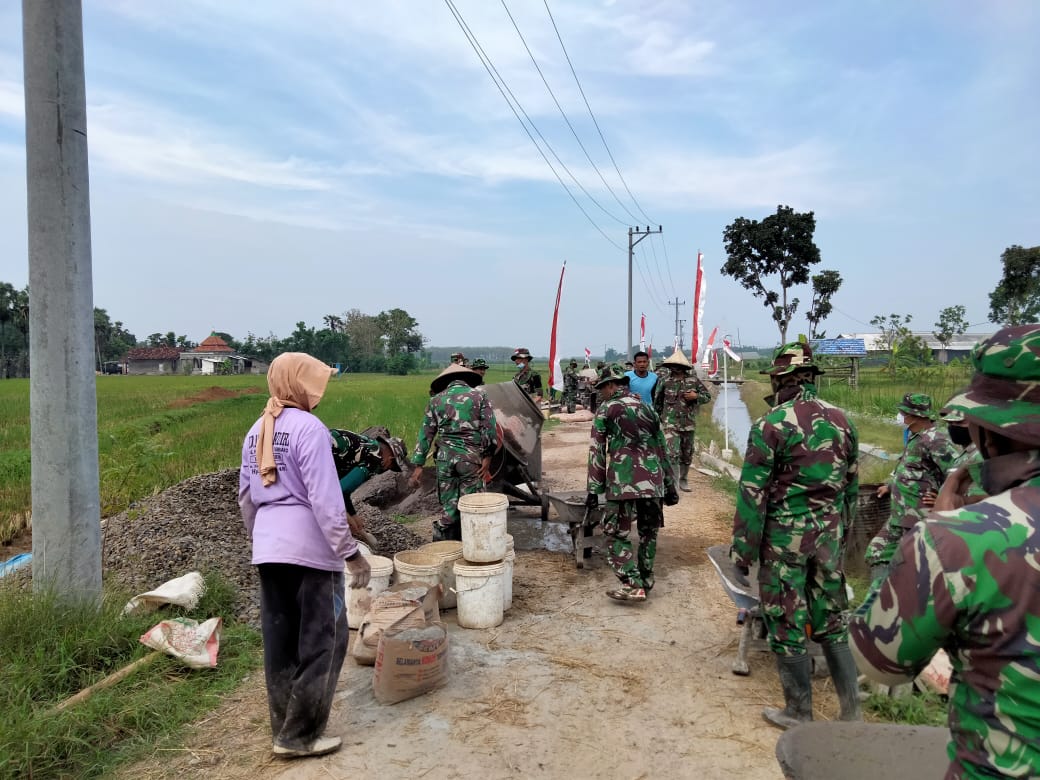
(359,571)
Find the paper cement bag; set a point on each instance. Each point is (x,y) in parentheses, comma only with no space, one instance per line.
(410,662)
(398,610)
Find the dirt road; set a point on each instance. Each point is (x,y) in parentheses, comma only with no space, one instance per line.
(571,685)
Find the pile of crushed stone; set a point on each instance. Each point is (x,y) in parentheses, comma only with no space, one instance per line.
(196,525)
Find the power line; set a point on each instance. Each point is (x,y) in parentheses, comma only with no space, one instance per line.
(657,264)
(567,119)
(651,291)
(503,89)
(667,261)
(594,121)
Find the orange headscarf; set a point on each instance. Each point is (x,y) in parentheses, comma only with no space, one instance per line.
(294,379)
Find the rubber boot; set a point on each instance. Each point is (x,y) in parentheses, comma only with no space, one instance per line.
(846,678)
(684,472)
(796,680)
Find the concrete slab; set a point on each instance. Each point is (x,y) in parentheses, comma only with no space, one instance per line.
(862,751)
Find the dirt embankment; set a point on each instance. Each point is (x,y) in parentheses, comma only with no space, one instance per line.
(572,684)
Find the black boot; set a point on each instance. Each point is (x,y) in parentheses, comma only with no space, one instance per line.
(846,678)
(684,472)
(796,680)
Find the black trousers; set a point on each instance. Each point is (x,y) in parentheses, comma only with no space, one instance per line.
(303,620)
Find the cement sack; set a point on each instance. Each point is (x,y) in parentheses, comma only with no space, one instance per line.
(410,662)
(430,602)
(398,610)
(194,644)
(183,592)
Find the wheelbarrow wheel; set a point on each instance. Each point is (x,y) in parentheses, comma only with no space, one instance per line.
(545,507)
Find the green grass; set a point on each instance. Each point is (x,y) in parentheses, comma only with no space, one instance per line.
(148,440)
(917,709)
(51,650)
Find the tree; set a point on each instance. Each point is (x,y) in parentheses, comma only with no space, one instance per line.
(952,322)
(781,245)
(893,332)
(400,330)
(824,285)
(366,336)
(1016,298)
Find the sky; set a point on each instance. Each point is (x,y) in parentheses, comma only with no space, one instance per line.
(258,163)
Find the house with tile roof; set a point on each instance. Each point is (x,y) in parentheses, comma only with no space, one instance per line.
(214,356)
(152,360)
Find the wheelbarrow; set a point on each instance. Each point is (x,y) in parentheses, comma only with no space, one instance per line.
(516,467)
(753,635)
(581,520)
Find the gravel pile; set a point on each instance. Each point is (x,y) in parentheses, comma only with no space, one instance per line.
(196,525)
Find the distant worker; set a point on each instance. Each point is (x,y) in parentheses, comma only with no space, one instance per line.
(927,458)
(570,386)
(359,457)
(628,463)
(529,380)
(795,501)
(480,366)
(677,398)
(641,380)
(967,578)
(458,358)
(460,418)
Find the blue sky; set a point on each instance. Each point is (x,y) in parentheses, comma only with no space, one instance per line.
(258,163)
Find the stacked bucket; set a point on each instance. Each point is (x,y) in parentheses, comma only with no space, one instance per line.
(484,573)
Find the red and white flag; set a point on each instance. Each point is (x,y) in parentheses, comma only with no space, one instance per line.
(555,374)
(732,355)
(708,351)
(642,332)
(588,356)
(699,291)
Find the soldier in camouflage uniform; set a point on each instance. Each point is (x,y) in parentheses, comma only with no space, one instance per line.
(797,493)
(360,456)
(967,580)
(461,419)
(570,386)
(928,456)
(529,380)
(480,366)
(458,358)
(677,397)
(628,463)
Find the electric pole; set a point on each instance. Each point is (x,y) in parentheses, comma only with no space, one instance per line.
(632,233)
(62,386)
(678,333)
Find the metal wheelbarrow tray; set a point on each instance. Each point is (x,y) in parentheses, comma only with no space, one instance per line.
(570,506)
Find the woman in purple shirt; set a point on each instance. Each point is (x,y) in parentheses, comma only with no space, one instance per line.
(292,506)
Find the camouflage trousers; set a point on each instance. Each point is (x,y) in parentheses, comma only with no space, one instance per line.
(801,587)
(883,546)
(679,445)
(633,568)
(458,474)
(570,398)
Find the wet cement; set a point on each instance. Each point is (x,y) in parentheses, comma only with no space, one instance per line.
(531,533)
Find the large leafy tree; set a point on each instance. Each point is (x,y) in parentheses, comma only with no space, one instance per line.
(824,285)
(1016,298)
(953,321)
(401,331)
(771,256)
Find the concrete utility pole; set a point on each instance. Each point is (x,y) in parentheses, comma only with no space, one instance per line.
(678,332)
(62,393)
(632,245)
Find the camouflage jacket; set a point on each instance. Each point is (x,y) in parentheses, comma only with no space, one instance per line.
(928,457)
(967,581)
(357,458)
(530,381)
(462,420)
(570,379)
(627,457)
(676,412)
(800,474)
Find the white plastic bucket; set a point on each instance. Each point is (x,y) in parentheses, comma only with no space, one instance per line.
(415,566)
(483,526)
(479,591)
(448,552)
(507,580)
(359,599)
(365,549)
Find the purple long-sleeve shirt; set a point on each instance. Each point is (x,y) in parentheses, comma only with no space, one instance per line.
(300,519)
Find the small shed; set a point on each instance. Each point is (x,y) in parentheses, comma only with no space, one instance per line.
(852,349)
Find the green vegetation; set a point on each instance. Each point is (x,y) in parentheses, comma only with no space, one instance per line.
(51,651)
(923,708)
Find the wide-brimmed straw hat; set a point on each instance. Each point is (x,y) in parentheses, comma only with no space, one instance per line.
(451,373)
(677,360)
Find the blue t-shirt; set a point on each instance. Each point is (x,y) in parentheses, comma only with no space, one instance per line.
(643,386)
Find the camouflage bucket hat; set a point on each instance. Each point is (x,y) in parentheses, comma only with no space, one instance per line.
(917,404)
(1004,394)
(521,353)
(397,448)
(792,357)
(479,363)
(612,373)
(951,415)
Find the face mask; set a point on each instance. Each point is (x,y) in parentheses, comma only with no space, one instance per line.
(900,419)
(960,435)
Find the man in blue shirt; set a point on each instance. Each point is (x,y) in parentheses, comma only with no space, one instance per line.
(641,381)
